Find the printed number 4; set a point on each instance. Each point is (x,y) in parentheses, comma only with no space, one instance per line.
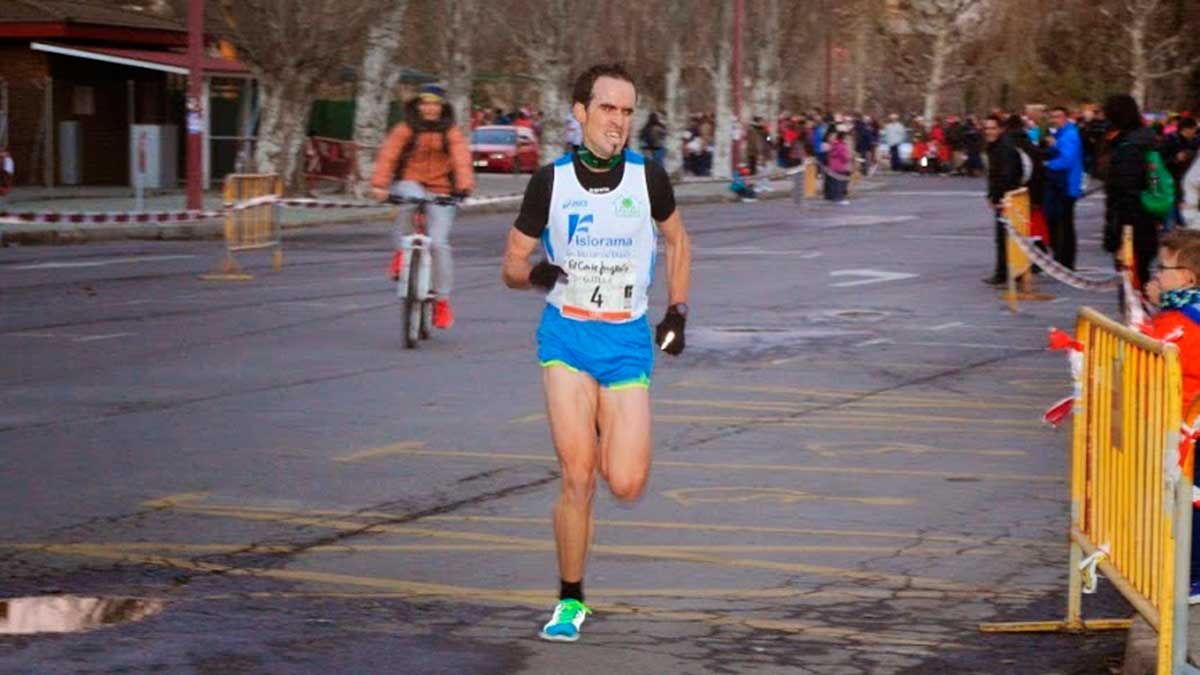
(597,297)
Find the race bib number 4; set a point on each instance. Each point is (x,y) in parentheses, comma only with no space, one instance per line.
(599,289)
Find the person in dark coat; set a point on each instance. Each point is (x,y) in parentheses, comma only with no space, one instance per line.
(1004,174)
(1123,170)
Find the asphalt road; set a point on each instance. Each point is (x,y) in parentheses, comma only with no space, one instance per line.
(850,472)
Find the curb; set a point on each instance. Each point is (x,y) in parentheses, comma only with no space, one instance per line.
(214,229)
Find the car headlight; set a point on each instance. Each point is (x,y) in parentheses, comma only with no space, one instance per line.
(498,155)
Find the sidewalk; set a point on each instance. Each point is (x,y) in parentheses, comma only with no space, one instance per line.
(119,199)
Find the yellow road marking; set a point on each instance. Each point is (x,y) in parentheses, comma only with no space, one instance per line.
(857,448)
(930,399)
(547,545)
(283,549)
(741,495)
(412,588)
(774,468)
(371,453)
(845,424)
(170,501)
(856,405)
(822,415)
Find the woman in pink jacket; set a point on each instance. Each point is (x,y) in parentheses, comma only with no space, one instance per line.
(837,178)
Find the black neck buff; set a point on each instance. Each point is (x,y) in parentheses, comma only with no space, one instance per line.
(593,162)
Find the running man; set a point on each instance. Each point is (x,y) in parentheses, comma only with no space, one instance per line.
(594,212)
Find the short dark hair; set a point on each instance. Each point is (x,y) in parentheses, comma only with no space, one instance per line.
(1059,108)
(582,93)
(1014,123)
(1122,112)
(1187,123)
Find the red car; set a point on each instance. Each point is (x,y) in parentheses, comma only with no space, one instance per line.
(504,148)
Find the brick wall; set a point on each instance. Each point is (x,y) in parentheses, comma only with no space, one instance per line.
(25,70)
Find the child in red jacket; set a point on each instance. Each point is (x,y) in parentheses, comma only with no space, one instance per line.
(1175,288)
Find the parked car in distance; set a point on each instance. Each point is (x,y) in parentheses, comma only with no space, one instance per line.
(509,149)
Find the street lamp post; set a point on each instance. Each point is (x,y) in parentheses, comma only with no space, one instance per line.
(195,104)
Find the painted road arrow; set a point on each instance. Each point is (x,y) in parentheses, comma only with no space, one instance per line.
(872,277)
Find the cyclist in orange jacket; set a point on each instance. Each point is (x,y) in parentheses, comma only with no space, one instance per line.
(427,153)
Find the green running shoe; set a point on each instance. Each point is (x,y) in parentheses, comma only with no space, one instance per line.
(564,625)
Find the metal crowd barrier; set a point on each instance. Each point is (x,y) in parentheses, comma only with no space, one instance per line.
(1131,500)
(250,228)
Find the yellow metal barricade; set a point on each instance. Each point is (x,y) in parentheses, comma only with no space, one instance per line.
(1131,501)
(810,179)
(250,228)
(1018,211)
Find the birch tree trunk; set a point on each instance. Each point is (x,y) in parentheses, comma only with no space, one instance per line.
(286,103)
(1138,61)
(673,96)
(937,71)
(860,63)
(767,86)
(376,84)
(460,73)
(723,134)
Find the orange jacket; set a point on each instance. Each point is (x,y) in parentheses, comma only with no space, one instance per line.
(1163,325)
(429,163)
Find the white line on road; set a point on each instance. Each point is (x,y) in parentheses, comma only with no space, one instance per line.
(96,263)
(96,338)
(876,341)
(872,277)
(948,236)
(973,345)
(946,326)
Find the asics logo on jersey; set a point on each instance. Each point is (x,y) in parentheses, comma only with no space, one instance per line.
(575,204)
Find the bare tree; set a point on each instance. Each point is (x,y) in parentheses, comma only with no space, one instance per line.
(767,85)
(1156,52)
(291,47)
(377,80)
(459,58)
(718,67)
(937,31)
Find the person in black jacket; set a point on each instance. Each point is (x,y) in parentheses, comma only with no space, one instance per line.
(1123,169)
(1004,174)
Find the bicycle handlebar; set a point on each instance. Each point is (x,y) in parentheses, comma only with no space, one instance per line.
(443,200)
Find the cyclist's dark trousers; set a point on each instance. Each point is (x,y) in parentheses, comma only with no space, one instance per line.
(895,153)
(1060,218)
(438,220)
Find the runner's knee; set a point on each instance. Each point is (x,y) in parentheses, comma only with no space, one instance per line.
(579,483)
(626,486)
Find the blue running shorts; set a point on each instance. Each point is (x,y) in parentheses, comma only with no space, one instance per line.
(617,355)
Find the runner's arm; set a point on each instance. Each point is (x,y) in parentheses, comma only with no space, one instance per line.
(515,268)
(679,258)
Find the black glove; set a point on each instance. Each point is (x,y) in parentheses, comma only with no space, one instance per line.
(545,275)
(671,326)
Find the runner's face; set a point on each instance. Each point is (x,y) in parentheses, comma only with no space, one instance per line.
(607,119)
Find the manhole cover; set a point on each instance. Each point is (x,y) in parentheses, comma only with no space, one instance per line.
(70,613)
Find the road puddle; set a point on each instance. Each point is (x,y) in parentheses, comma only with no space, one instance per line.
(70,613)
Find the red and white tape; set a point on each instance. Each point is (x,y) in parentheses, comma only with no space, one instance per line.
(189,216)
(121,217)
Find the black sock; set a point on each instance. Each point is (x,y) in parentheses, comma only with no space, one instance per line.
(570,590)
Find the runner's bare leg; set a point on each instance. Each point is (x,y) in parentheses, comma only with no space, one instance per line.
(571,401)
(625,441)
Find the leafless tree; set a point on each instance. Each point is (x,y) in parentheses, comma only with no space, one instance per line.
(291,47)
(377,78)
(1157,46)
(926,36)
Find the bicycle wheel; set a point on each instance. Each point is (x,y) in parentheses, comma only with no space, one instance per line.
(412,303)
(426,319)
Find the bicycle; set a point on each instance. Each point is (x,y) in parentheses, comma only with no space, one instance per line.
(414,283)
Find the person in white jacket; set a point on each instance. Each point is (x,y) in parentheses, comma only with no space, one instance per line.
(1189,209)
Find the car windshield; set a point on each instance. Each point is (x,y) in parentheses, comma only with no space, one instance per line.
(494,137)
